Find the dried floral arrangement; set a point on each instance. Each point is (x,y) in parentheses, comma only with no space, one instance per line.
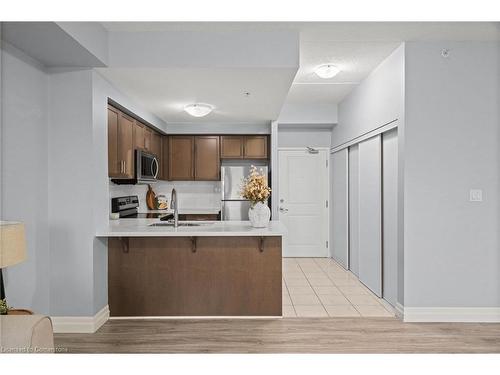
(254,187)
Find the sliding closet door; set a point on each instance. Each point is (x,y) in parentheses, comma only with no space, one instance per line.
(390,215)
(370,214)
(354,209)
(339,202)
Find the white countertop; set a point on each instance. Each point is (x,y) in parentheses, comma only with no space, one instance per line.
(141,228)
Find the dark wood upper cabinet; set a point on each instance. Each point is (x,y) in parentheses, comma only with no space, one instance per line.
(114,165)
(138,135)
(120,144)
(244,147)
(181,158)
(148,138)
(206,158)
(164,158)
(231,146)
(156,144)
(126,145)
(255,147)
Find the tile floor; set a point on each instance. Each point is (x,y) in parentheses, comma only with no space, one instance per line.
(319,287)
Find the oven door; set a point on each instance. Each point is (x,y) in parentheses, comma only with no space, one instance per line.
(146,166)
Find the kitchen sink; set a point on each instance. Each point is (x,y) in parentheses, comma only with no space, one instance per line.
(170,224)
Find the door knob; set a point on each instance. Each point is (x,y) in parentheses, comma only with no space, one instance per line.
(282,209)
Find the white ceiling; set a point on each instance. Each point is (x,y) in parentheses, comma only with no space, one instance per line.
(355,59)
(355,47)
(336,31)
(165,92)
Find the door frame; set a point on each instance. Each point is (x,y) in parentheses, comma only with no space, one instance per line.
(327,192)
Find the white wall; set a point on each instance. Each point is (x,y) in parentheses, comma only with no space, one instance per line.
(24,174)
(304,135)
(378,100)
(308,113)
(218,128)
(452,256)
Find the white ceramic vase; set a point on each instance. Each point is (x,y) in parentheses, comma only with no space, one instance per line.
(259,215)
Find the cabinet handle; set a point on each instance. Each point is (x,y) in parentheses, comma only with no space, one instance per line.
(193,244)
(261,244)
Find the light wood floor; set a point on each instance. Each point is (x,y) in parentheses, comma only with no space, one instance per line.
(289,335)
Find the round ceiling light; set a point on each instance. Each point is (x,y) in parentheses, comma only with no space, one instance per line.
(198,109)
(327,71)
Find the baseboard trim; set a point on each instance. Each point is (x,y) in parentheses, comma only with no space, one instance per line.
(80,324)
(194,317)
(452,314)
(400,310)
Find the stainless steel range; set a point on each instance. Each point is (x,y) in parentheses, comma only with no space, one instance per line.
(127,207)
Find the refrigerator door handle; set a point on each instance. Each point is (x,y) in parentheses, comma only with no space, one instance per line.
(223,204)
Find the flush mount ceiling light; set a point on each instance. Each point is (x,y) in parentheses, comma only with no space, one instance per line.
(327,71)
(198,109)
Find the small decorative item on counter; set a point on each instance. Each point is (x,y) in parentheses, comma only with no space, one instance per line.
(151,198)
(114,215)
(255,189)
(161,202)
(3,307)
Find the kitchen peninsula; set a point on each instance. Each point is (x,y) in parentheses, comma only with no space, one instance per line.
(196,270)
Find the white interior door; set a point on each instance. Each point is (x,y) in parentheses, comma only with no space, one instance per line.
(339,203)
(303,196)
(370,214)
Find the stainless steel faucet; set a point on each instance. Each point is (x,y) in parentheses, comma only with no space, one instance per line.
(175,205)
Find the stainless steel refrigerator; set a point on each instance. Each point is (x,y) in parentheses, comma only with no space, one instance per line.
(234,207)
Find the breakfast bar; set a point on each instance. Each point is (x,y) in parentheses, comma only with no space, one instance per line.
(209,269)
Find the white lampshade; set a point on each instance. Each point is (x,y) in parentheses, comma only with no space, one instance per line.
(198,109)
(12,243)
(327,71)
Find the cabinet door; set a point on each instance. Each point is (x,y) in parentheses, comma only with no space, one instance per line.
(138,135)
(148,134)
(180,158)
(164,158)
(126,145)
(231,147)
(255,147)
(156,144)
(206,158)
(113,162)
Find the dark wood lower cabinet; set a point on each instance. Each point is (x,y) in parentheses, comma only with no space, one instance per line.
(202,276)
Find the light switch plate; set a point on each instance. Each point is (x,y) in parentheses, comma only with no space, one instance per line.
(476,195)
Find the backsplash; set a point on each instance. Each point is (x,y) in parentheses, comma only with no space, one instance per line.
(191,194)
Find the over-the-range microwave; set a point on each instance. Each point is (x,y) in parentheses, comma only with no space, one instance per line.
(146,169)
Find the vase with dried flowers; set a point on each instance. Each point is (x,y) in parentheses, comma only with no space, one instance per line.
(255,189)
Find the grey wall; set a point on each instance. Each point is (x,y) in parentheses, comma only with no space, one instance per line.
(54,179)
(452,256)
(24,171)
(71,180)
